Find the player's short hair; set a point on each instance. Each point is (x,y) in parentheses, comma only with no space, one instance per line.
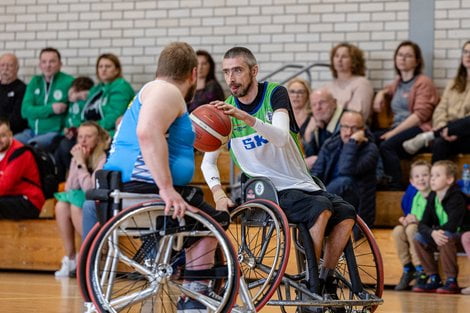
(451,168)
(176,61)
(241,52)
(420,162)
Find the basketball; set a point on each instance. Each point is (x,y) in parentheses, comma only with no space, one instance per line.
(212,127)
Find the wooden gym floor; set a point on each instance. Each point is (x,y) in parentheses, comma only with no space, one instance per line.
(42,292)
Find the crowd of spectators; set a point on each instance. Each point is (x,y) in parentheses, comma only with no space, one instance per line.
(75,118)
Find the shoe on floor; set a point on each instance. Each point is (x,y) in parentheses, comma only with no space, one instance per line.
(431,286)
(415,144)
(450,287)
(465,291)
(330,292)
(405,281)
(67,267)
(188,305)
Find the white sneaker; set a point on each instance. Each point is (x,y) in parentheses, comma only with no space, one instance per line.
(414,144)
(68,266)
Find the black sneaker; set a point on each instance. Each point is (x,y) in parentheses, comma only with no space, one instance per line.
(421,281)
(431,286)
(405,281)
(329,292)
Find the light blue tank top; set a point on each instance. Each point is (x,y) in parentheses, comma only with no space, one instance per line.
(125,154)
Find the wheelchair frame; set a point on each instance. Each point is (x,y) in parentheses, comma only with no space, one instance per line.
(255,290)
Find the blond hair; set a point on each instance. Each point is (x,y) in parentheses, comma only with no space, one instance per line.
(451,168)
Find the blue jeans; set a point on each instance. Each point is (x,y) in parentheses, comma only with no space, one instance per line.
(43,141)
(89,217)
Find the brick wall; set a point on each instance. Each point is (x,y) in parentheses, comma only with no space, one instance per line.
(278,32)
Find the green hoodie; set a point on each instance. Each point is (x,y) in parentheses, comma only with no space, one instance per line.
(113,102)
(38,100)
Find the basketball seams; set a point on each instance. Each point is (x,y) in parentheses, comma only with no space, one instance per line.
(212,127)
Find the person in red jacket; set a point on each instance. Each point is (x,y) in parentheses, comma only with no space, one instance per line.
(21,196)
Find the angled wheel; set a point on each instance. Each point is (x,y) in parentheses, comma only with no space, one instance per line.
(360,270)
(82,260)
(137,262)
(260,234)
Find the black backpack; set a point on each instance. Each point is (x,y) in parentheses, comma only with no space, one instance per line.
(46,166)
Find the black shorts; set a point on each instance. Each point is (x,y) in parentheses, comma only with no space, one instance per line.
(305,206)
(193,195)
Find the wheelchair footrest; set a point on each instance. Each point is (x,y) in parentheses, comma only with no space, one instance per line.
(322,303)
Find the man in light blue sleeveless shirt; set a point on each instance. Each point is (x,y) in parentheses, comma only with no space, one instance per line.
(264,142)
(153,150)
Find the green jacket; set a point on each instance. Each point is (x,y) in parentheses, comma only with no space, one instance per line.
(115,98)
(74,114)
(37,102)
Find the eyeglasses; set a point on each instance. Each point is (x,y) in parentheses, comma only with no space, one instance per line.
(352,128)
(405,56)
(297,91)
(465,52)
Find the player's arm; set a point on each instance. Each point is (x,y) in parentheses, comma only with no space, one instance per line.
(159,109)
(212,176)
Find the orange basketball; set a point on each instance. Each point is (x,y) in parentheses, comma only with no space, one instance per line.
(212,127)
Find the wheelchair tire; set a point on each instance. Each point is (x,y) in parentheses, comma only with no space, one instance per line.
(134,263)
(261,236)
(82,260)
(361,270)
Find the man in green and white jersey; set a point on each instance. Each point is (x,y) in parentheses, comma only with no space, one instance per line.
(264,143)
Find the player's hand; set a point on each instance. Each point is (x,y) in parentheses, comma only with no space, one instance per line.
(59,107)
(235,112)
(174,200)
(223,204)
(439,237)
(402,220)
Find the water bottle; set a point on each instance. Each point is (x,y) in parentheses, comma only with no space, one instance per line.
(466,179)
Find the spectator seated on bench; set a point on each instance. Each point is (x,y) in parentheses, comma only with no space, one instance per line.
(451,119)
(21,196)
(88,155)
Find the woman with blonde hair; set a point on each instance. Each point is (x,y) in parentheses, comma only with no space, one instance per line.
(88,155)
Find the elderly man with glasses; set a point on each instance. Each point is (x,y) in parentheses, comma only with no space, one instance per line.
(347,162)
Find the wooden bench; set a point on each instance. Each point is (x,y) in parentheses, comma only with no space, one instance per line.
(36,244)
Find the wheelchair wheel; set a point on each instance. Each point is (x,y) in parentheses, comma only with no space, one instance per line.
(137,263)
(360,271)
(82,260)
(260,234)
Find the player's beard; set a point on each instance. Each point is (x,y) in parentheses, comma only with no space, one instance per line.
(243,91)
(190,93)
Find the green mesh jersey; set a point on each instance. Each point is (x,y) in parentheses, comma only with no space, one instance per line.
(256,156)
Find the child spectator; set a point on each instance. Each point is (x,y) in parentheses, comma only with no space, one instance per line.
(438,229)
(88,155)
(77,94)
(404,233)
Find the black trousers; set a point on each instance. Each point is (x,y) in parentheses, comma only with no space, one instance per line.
(17,208)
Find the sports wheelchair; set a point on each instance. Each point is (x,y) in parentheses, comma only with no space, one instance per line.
(133,260)
(262,236)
